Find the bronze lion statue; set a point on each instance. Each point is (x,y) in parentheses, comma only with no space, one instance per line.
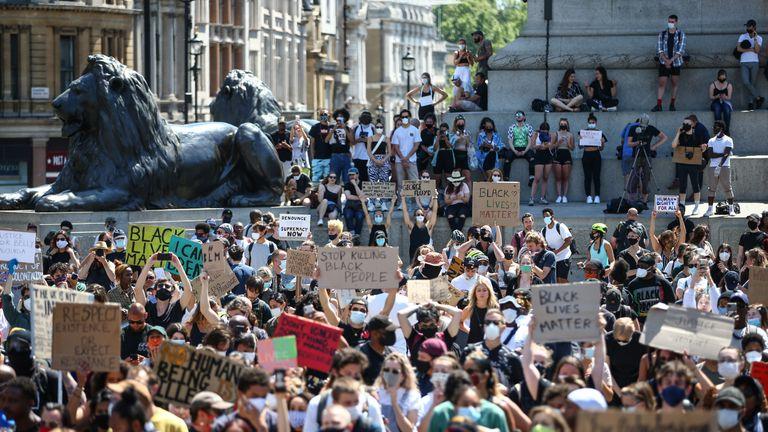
(124,156)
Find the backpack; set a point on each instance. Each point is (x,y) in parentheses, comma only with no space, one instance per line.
(572,247)
(272,248)
(721,208)
(540,105)
(614,207)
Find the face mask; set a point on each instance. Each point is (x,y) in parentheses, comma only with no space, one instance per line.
(276,312)
(754,322)
(61,244)
(324,117)
(641,272)
(296,177)
(120,243)
(357,317)
(438,379)
(282,267)
(753,356)
(461,47)
(589,352)
(249,357)
(693,271)
(724,256)
(673,395)
(163,294)
(268,284)
(460,126)
(722,310)
(660,266)
(388,339)
(419,219)
(727,418)
(424,81)
(380,242)
(563,127)
(752,225)
(28,304)
(21,361)
(378,219)
(671,26)
(471,413)
(296,418)
(496,179)
(354,412)
(423,366)
(255,236)
(379,130)
(332,237)
(510,315)
(340,119)
(722,80)
(509,255)
(483,269)
(632,241)
(547,220)
(591,125)
(101,421)
(430,271)
(629,409)
(492,332)
(259,403)
(391,379)
(404,121)
(542,428)
(429,331)
(177,341)
(728,370)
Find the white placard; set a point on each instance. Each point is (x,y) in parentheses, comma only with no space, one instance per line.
(293,227)
(665,203)
(40,93)
(590,138)
(17,244)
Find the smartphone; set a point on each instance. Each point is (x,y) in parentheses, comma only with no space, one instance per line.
(164,256)
(525,268)
(731,311)
(99,252)
(280,381)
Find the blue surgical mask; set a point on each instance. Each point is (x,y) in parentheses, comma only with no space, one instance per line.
(471,413)
(268,284)
(673,395)
(378,220)
(722,310)
(380,241)
(120,243)
(282,266)
(754,322)
(693,271)
(547,220)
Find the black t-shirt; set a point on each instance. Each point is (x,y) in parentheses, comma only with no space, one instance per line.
(647,292)
(626,256)
(507,364)
(352,204)
(625,360)
(321,148)
(302,183)
(112,256)
(132,342)
(482,91)
(352,335)
(670,44)
(644,138)
(689,226)
(283,154)
(546,258)
(339,142)
(688,140)
(428,137)
(601,93)
(623,228)
(173,314)
(750,240)
(375,362)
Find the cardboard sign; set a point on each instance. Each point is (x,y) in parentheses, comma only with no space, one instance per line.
(19,245)
(184,371)
(277,353)
(566,312)
(145,240)
(190,254)
(681,329)
(26,272)
(301,263)
(590,138)
(665,203)
(44,298)
(681,153)
(358,268)
(315,342)
(219,284)
(379,189)
(496,203)
(615,420)
(88,333)
(293,227)
(419,291)
(759,371)
(215,257)
(345,297)
(418,188)
(455,268)
(758,285)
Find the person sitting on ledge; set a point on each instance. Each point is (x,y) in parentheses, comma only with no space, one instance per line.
(569,95)
(602,92)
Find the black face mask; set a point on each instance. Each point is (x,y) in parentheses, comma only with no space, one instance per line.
(429,331)
(460,127)
(563,127)
(388,338)
(722,80)
(332,237)
(430,271)
(752,225)
(21,361)
(422,366)
(509,255)
(163,294)
(632,241)
(101,421)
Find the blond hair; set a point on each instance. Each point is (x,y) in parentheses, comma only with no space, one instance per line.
(623,327)
(406,371)
(337,224)
(493,302)
(535,237)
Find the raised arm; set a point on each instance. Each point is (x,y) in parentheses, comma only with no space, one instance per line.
(406,216)
(389,303)
(683,232)
(388,222)
(433,214)
(138,289)
(330,314)
(655,245)
(598,365)
(85,266)
(499,241)
(530,373)
(203,304)
(187,296)
(455,313)
(402,318)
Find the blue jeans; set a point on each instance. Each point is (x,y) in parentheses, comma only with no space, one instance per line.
(340,164)
(320,169)
(722,110)
(353,218)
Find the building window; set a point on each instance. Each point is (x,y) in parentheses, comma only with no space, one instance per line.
(213,11)
(15,66)
(67,62)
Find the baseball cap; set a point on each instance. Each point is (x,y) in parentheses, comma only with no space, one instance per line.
(434,347)
(731,394)
(226,227)
(353,171)
(731,279)
(754,217)
(612,299)
(157,329)
(588,399)
(380,322)
(118,233)
(522,292)
(740,296)
(751,23)
(209,400)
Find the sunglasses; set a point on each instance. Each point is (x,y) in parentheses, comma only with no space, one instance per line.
(489,322)
(332,178)
(394,371)
(135,322)
(150,277)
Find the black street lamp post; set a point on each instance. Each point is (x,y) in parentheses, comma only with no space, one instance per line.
(408,65)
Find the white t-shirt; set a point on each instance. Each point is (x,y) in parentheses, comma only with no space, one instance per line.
(407,401)
(461,282)
(750,56)
(718,145)
(359,151)
(517,341)
(407,138)
(555,240)
(376,304)
(373,414)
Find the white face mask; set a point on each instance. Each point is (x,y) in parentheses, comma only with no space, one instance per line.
(296,418)
(483,269)
(510,315)
(419,219)
(340,119)
(255,236)
(438,379)
(547,220)
(354,412)
(405,122)
(259,403)
(591,125)
(492,332)
(249,357)
(670,25)
(753,356)
(727,418)
(496,179)
(276,312)
(424,81)
(379,130)
(641,272)
(177,341)
(61,244)
(296,177)
(728,370)
(589,352)
(461,47)
(725,256)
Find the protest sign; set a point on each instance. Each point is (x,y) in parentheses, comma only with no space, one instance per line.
(44,298)
(277,353)
(496,203)
(379,189)
(19,245)
(615,420)
(566,312)
(358,268)
(418,188)
(86,333)
(145,240)
(759,371)
(665,203)
(184,371)
(293,227)
(26,272)
(301,263)
(190,254)
(455,268)
(219,284)
(758,285)
(419,291)
(590,138)
(681,329)
(345,297)
(315,342)
(215,257)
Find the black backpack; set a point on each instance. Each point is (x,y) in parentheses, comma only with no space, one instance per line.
(572,247)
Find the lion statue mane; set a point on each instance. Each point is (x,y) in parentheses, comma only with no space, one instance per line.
(124,156)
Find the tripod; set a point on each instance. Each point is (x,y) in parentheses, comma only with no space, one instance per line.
(640,178)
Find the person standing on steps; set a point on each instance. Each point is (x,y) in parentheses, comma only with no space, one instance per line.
(719,148)
(424,96)
(749,46)
(518,138)
(670,48)
(592,163)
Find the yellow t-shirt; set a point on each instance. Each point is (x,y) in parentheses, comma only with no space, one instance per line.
(164,421)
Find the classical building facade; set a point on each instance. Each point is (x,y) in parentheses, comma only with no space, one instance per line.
(44,45)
